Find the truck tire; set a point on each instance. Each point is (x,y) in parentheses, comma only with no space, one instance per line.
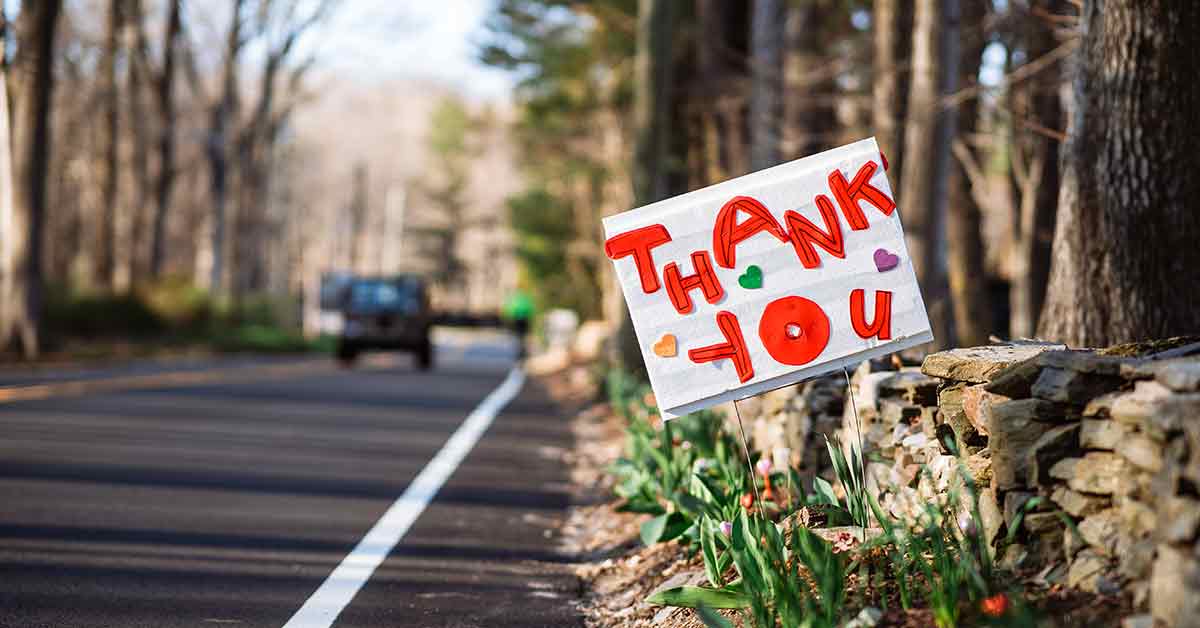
(346,354)
(425,355)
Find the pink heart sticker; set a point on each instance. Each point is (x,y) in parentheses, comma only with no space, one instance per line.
(886,260)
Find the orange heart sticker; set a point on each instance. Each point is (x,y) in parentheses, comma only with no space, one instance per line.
(665,347)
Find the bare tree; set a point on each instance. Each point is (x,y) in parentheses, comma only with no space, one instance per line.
(35,63)
(766,96)
(109,141)
(1125,263)
(164,87)
(926,148)
(892,22)
(222,117)
(968,281)
(1037,116)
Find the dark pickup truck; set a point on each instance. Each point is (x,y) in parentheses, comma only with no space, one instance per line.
(386,313)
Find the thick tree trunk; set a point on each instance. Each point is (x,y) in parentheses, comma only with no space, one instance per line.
(1036,186)
(106,259)
(32,133)
(968,279)
(165,98)
(1125,262)
(922,195)
(766,96)
(892,20)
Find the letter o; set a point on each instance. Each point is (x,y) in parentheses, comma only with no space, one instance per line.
(800,348)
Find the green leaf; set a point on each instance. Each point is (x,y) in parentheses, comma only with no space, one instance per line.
(709,547)
(824,491)
(664,528)
(711,619)
(693,597)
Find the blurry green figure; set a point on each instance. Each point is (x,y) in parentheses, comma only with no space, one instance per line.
(518,311)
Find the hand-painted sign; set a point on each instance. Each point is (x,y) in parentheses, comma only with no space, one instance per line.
(768,279)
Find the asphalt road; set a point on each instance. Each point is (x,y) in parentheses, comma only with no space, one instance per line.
(227,499)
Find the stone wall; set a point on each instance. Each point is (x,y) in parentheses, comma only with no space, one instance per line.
(1110,443)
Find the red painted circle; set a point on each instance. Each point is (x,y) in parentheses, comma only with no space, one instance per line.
(811,319)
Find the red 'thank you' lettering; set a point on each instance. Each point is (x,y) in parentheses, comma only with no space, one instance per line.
(804,234)
(794,330)
(734,348)
(638,244)
(727,232)
(848,195)
(881,325)
(705,279)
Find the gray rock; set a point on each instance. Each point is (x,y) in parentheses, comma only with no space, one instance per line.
(1178,519)
(1101,433)
(1174,595)
(1086,571)
(1074,387)
(1101,531)
(892,412)
(867,618)
(1100,407)
(1039,523)
(1136,561)
(1014,429)
(1084,361)
(1137,407)
(913,386)
(980,365)
(1077,504)
(1098,472)
(1142,452)
(1015,381)
(1073,543)
(1056,444)
(1014,501)
(1182,374)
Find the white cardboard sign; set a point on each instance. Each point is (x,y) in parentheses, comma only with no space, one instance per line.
(768,279)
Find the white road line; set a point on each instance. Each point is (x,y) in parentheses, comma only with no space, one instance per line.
(327,602)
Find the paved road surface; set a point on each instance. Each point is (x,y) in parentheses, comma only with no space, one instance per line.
(226,500)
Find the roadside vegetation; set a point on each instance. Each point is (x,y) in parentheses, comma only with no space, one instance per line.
(779,551)
(171,315)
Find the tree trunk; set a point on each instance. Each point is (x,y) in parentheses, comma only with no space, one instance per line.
(133,265)
(893,20)
(32,133)
(766,95)
(165,97)
(810,118)
(1036,187)
(651,109)
(7,235)
(106,259)
(968,279)
(1125,264)
(222,116)
(924,178)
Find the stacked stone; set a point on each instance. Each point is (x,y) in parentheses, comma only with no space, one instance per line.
(790,421)
(1112,442)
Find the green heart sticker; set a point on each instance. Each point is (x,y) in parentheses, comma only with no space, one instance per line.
(751,279)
